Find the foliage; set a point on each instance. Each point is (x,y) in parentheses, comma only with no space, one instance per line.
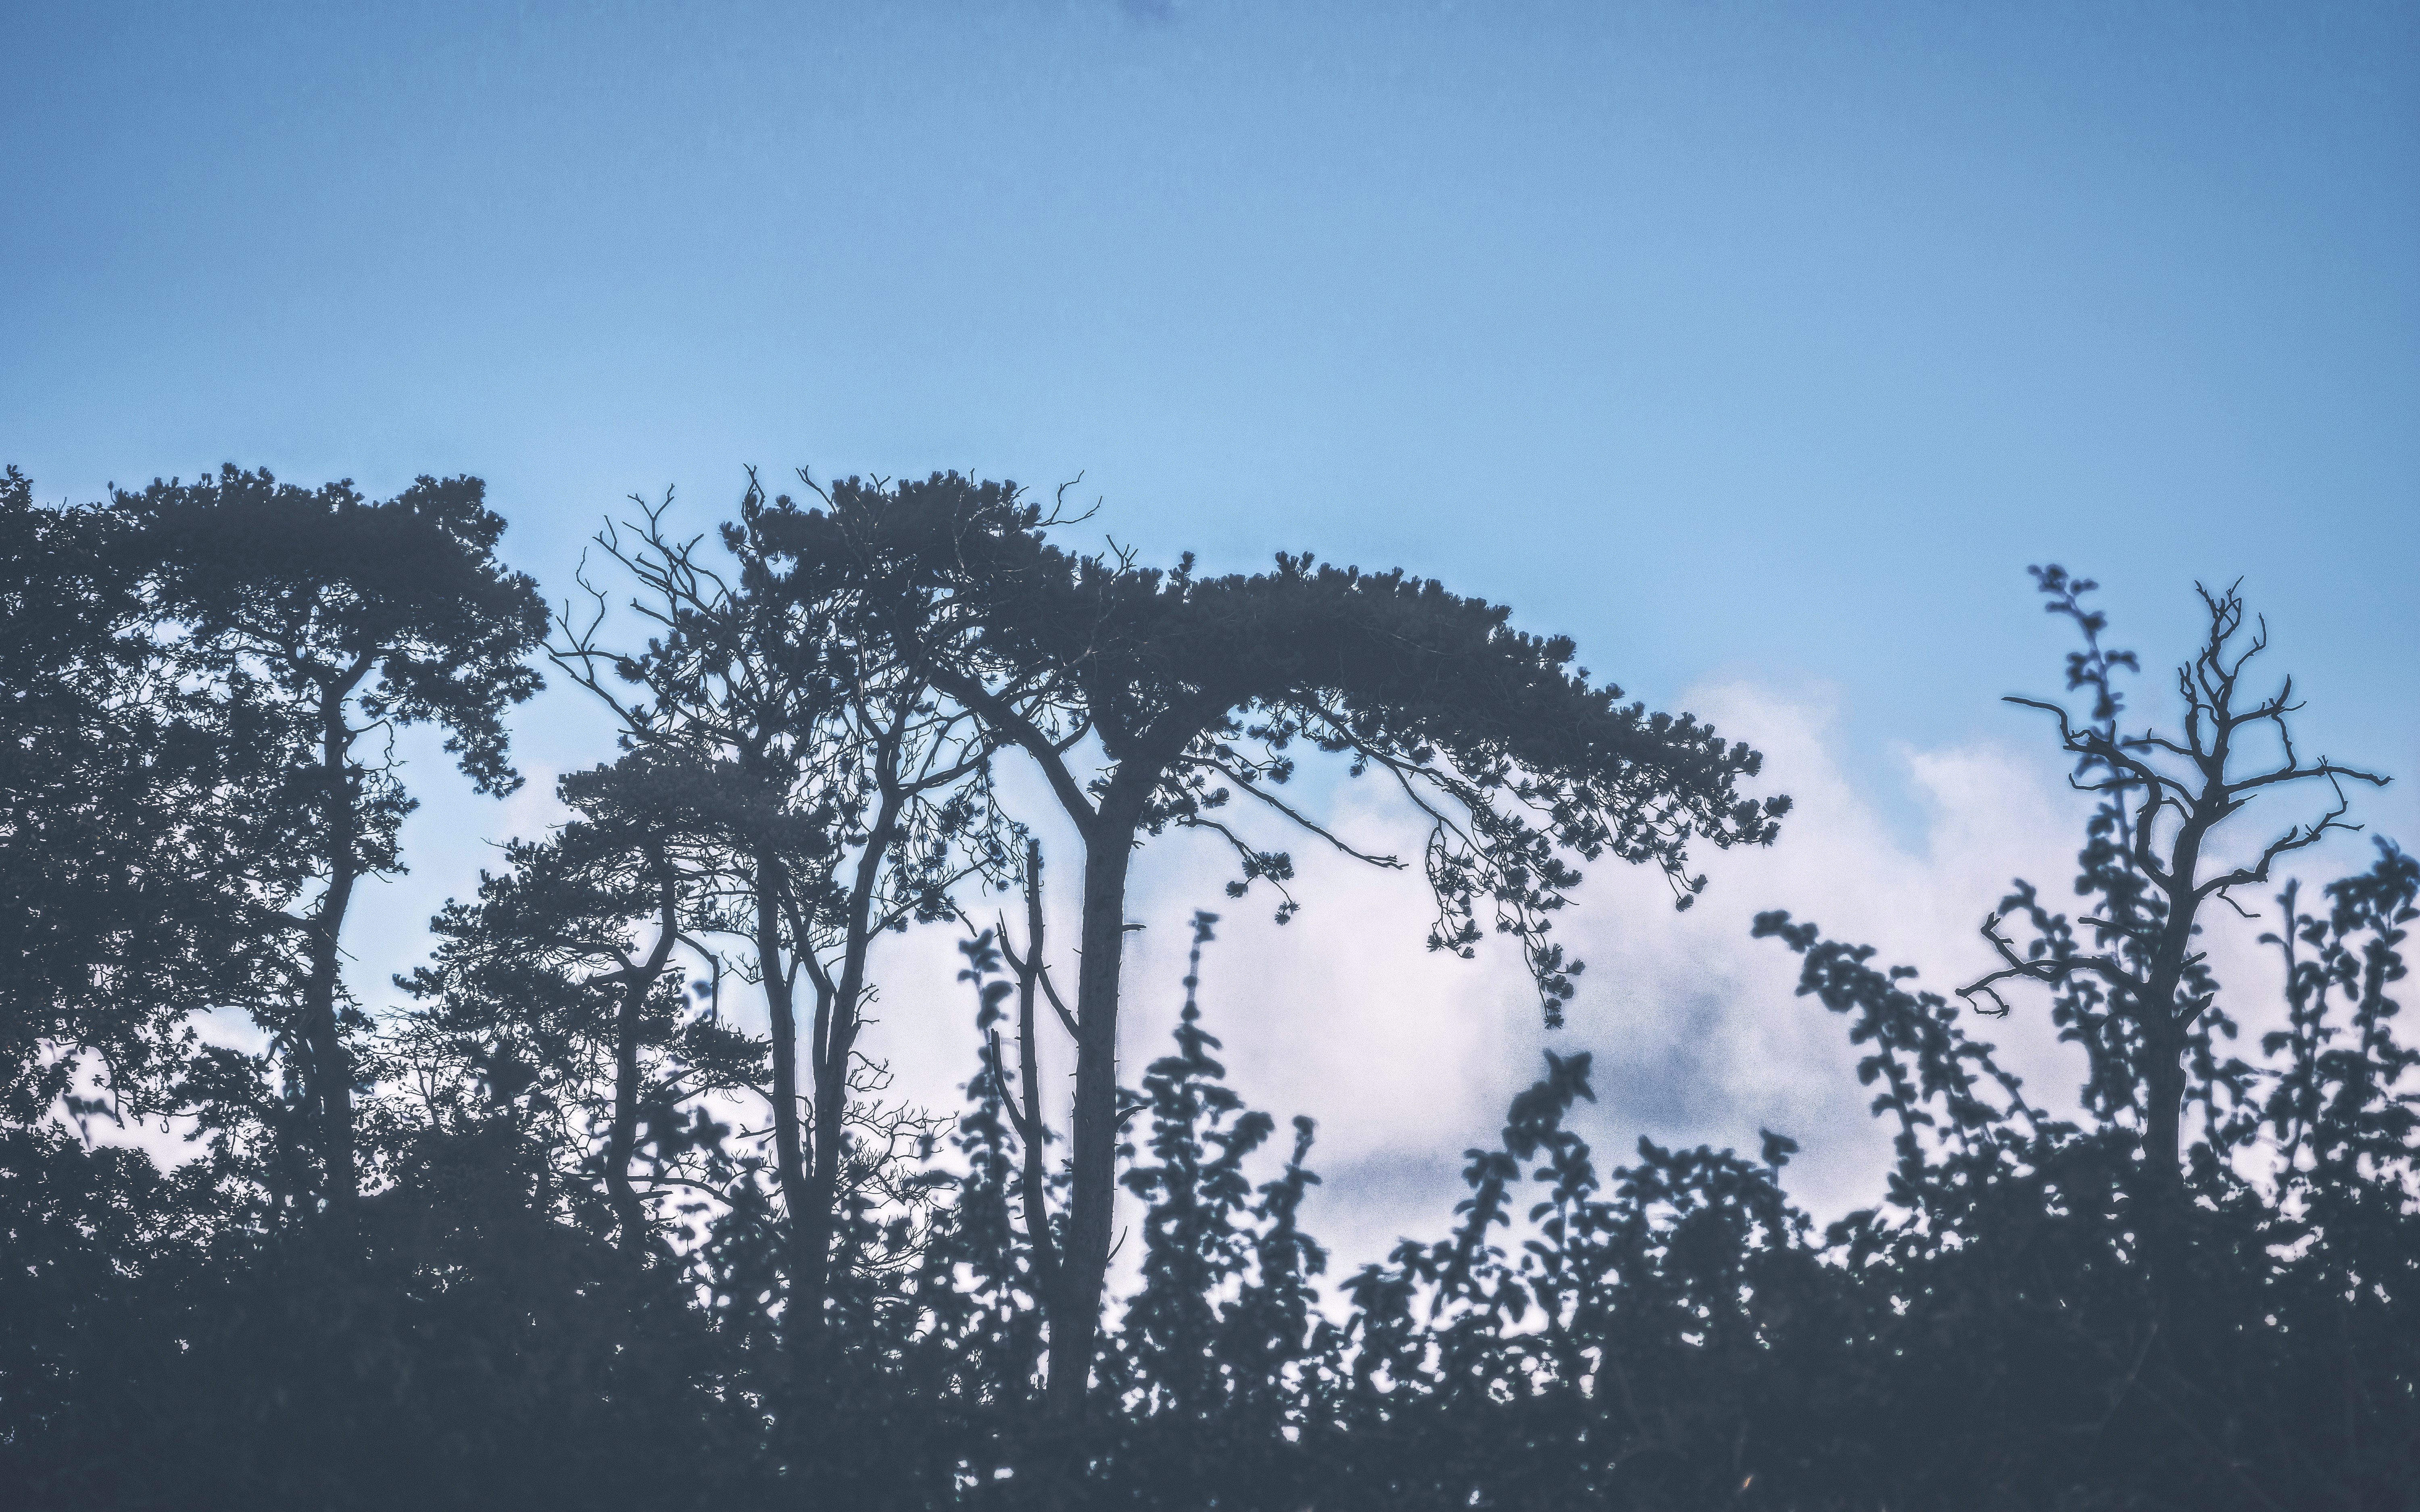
(1149,700)
(574,1273)
(306,626)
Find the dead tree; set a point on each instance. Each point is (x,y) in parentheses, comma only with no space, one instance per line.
(2130,980)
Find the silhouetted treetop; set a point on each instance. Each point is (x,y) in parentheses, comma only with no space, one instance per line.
(1397,672)
(1196,690)
(332,586)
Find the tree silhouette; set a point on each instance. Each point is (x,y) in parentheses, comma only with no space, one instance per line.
(848,805)
(2128,980)
(557,995)
(1195,690)
(124,830)
(323,619)
(570,1267)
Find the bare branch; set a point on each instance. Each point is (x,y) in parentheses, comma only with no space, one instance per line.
(1389,863)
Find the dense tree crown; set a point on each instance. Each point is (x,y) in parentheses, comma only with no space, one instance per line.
(1193,690)
(1206,686)
(553,1224)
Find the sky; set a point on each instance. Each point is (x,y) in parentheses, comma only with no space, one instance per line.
(1759,348)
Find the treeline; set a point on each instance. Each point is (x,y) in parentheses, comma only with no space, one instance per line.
(550,1227)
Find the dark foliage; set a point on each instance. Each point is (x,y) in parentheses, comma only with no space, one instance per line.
(1150,699)
(576,1269)
(125,899)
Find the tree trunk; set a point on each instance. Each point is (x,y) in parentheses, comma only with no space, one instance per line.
(830,1044)
(2163,1217)
(789,1165)
(1034,1129)
(811,1217)
(2164,1213)
(1075,1322)
(628,1215)
(328,1089)
(1037,1177)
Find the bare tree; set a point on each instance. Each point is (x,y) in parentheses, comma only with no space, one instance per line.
(2134,986)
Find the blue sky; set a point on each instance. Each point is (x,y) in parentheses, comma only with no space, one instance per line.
(1753,345)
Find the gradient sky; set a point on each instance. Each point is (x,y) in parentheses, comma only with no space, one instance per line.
(1757,347)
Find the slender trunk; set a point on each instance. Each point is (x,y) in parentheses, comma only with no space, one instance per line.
(628,1214)
(2163,1196)
(789,1166)
(1033,1129)
(2163,1215)
(830,1044)
(1037,1176)
(1075,1323)
(811,1217)
(1038,1240)
(328,1089)
(1108,831)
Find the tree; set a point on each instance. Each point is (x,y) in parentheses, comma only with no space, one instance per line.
(122,813)
(843,806)
(557,995)
(2128,980)
(1193,690)
(317,620)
